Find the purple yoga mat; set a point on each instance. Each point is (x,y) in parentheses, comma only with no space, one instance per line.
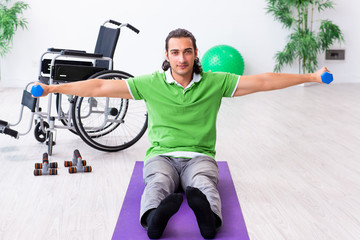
(183,224)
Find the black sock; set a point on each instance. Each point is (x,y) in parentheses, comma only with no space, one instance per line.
(204,215)
(159,217)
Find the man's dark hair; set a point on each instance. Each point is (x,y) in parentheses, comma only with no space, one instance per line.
(179,33)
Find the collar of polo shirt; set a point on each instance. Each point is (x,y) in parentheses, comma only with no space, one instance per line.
(170,79)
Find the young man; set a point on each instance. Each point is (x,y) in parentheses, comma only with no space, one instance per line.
(182,104)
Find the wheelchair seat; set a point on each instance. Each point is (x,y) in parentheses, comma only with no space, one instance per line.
(65,65)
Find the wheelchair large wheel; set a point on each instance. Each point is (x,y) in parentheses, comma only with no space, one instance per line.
(109,124)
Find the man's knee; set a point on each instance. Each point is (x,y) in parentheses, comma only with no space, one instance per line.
(162,181)
(158,164)
(201,172)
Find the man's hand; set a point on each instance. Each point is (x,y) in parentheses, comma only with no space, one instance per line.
(43,86)
(316,76)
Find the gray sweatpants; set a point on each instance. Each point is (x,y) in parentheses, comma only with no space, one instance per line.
(163,175)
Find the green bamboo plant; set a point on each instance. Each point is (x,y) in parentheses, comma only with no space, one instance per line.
(305,44)
(10,19)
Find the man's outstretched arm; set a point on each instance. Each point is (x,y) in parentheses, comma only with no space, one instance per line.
(91,88)
(272,81)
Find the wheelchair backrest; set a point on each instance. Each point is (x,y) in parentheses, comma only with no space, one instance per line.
(107,40)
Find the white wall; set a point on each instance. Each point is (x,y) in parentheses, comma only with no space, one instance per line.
(242,24)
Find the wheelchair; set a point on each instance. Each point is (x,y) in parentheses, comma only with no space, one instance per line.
(106,124)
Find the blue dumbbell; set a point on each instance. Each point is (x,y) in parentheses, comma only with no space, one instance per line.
(37,90)
(327,77)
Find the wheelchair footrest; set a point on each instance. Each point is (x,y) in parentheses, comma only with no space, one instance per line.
(8,131)
(3,123)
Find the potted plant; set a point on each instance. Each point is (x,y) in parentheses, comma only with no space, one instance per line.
(304,42)
(10,19)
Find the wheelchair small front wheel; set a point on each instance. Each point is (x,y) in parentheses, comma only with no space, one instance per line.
(40,135)
(109,124)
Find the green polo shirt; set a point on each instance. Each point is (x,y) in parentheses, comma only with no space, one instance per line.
(182,119)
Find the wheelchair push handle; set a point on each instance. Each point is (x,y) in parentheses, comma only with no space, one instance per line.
(114,22)
(133,28)
(126,24)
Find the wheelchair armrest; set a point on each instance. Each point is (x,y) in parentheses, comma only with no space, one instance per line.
(80,54)
(58,50)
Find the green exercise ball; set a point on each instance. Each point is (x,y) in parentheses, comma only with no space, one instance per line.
(223,58)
